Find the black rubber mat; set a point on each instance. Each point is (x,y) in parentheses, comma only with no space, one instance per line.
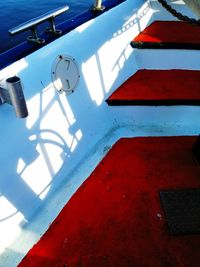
(182,210)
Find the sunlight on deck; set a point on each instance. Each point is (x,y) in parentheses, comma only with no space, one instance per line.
(93,80)
(51,146)
(84,26)
(56,131)
(10,219)
(102,69)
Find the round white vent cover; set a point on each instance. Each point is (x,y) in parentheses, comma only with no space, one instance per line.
(65,74)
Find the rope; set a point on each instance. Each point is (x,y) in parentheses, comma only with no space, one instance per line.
(178,14)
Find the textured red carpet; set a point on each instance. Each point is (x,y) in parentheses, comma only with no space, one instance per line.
(157,87)
(115,218)
(169,34)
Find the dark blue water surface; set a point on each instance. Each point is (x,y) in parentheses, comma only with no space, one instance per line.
(15,12)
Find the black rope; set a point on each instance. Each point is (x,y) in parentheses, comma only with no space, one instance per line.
(178,14)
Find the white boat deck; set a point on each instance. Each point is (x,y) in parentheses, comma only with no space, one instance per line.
(46,157)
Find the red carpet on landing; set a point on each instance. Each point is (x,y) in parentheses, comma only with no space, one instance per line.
(168,34)
(115,218)
(159,87)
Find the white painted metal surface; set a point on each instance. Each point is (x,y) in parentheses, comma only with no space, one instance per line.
(46,157)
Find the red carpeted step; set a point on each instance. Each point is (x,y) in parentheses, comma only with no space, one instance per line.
(116,218)
(168,34)
(196,149)
(159,87)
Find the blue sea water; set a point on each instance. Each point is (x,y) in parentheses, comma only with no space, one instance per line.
(15,12)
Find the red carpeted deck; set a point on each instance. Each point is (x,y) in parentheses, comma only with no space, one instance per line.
(115,218)
(169,34)
(159,87)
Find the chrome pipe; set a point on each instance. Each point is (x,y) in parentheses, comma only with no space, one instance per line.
(17,96)
(33,22)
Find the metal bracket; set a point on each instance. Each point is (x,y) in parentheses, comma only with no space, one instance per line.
(14,96)
(52,29)
(34,37)
(4,96)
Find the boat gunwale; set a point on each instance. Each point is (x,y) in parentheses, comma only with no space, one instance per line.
(25,48)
